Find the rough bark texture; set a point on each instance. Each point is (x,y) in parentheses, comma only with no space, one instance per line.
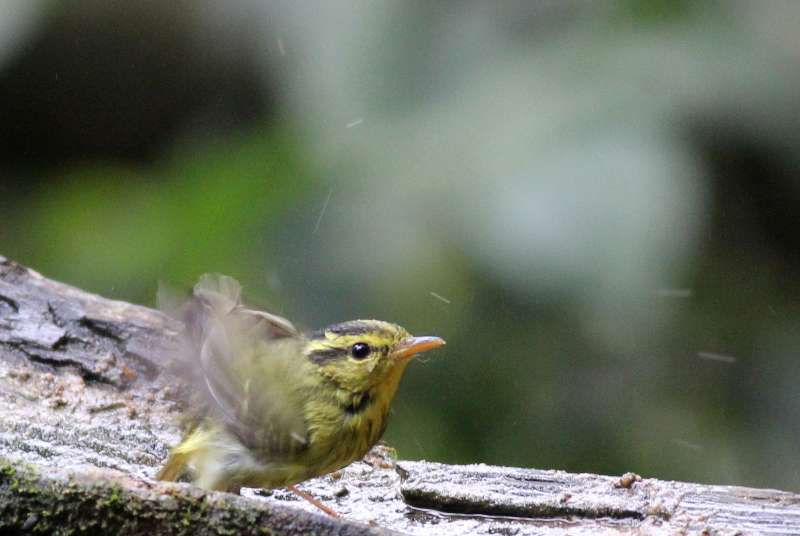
(102,501)
(88,415)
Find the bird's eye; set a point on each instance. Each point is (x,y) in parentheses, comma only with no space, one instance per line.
(360,350)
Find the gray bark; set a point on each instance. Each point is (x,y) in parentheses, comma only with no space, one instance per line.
(88,415)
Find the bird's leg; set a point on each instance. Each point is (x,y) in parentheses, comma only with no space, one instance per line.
(310,498)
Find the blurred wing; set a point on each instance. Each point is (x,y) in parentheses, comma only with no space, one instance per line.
(249,369)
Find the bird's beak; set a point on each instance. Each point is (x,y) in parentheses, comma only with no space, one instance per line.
(412,346)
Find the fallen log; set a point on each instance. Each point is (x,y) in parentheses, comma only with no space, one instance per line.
(88,415)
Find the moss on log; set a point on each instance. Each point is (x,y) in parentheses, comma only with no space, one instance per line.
(52,501)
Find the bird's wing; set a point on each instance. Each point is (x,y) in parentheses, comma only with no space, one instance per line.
(249,371)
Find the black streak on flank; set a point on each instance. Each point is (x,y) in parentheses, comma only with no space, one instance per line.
(358,404)
(320,357)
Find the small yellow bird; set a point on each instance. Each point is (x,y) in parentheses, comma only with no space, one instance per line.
(275,406)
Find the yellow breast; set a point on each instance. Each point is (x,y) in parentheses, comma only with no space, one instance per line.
(344,427)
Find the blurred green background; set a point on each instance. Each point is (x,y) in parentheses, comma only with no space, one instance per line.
(597,204)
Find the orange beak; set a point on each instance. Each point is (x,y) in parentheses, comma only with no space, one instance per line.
(412,346)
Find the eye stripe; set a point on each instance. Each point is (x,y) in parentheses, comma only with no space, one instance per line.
(326,355)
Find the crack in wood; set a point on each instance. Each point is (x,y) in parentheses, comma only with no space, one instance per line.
(54,316)
(86,373)
(102,328)
(62,342)
(453,505)
(10,303)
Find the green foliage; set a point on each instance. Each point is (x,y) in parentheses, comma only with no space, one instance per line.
(118,230)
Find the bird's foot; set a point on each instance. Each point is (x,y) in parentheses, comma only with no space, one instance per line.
(313,500)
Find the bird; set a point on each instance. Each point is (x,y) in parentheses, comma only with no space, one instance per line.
(271,406)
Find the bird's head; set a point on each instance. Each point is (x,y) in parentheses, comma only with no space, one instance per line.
(361,354)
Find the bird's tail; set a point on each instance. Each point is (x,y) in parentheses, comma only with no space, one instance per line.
(174,468)
(194,445)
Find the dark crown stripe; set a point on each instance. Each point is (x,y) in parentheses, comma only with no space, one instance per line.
(352,328)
